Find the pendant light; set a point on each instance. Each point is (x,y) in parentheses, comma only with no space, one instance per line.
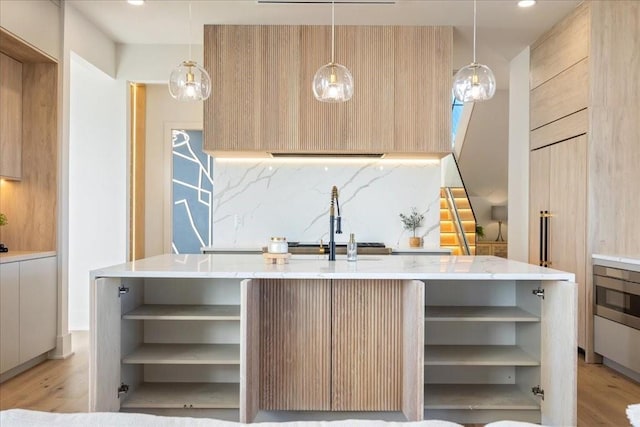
(189,81)
(475,82)
(333,82)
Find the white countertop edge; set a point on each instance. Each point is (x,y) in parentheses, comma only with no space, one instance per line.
(259,249)
(399,267)
(380,276)
(624,262)
(16,256)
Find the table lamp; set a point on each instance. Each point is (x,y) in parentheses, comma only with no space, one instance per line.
(499,213)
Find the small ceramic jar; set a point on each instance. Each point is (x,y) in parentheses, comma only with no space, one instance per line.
(278,245)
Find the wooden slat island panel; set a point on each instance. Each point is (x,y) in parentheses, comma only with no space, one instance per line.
(367,345)
(295,344)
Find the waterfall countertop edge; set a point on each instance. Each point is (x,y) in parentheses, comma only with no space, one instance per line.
(399,267)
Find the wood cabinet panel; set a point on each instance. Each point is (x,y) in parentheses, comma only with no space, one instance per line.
(262,97)
(498,249)
(295,344)
(365,123)
(255,87)
(558,184)
(568,208)
(36,193)
(422,104)
(9,315)
(366,351)
(564,45)
(565,128)
(10,117)
(558,354)
(538,199)
(561,96)
(38,307)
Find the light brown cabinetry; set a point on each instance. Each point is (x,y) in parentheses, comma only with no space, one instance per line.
(559,186)
(262,100)
(600,33)
(10,117)
(559,82)
(353,346)
(36,123)
(498,249)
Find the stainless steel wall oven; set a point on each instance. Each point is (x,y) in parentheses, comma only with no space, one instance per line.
(617,295)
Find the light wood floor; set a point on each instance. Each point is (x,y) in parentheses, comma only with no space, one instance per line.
(62,386)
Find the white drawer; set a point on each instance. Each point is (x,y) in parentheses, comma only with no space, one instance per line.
(617,342)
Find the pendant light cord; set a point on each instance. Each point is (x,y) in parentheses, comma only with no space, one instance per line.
(474,31)
(333,31)
(190,58)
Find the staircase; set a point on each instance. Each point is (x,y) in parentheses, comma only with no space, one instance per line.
(450,236)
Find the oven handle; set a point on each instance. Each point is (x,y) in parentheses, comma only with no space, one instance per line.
(617,285)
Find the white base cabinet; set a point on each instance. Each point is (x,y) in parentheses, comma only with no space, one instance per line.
(9,315)
(166,345)
(28,303)
(493,349)
(490,352)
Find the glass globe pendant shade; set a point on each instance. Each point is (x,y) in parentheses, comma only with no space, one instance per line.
(333,83)
(473,83)
(189,81)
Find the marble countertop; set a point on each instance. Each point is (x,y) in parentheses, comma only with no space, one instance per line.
(402,267)
(15,256)
(395,250)
(629,262)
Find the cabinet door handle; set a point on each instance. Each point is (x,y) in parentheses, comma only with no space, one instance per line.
(541,241)
(546,238)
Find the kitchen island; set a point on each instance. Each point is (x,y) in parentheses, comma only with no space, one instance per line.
(468,339)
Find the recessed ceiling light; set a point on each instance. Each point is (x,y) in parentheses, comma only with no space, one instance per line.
(136,2)
(526,3)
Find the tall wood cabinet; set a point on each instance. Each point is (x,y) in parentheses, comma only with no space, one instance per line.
(559,186)
(558,158)
(262,100)
(584,126)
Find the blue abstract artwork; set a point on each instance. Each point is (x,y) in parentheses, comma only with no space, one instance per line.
(192,185)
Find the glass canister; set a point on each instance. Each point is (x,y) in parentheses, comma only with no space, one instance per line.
(278,245)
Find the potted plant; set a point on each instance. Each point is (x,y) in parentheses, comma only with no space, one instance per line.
(3,221)
(411,222)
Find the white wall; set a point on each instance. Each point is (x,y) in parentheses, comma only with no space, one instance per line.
(163,114)
(483,161)
(97,181)
(519,158)
(143,63)
(35,21)
(93,156)
(83,38)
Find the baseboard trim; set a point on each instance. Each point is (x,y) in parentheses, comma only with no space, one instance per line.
(63,347)
(21,368)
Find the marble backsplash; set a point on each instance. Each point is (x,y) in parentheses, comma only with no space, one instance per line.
(257,199)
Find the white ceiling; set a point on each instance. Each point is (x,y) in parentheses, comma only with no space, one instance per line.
(503,28)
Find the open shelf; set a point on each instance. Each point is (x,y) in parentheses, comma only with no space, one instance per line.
(478,397)
(478,314)
(184,312)
(185,395)
(477,355)
(188,354)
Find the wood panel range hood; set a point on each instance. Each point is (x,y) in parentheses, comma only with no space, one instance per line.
(263,106)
